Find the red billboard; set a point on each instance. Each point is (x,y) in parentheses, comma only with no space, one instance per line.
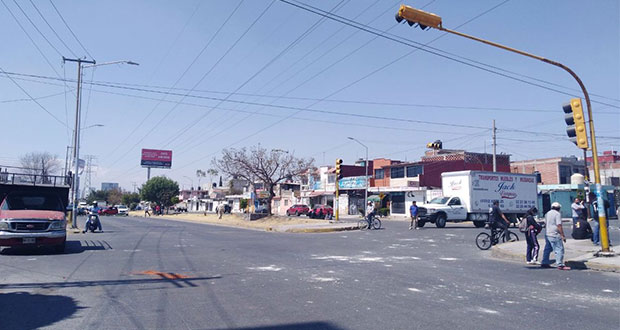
(156,158)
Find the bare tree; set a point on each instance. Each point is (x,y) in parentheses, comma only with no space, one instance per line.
(259,165)
(212,172)
(200,174)
(40,163)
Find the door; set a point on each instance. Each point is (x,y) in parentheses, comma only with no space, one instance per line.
(546,203)
(456,210)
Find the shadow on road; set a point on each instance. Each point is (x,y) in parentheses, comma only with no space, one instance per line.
(71,247)
(180,282)
(22,310)
(297,326)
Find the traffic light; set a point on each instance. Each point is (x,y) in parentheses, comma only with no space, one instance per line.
(576,122)
(338,173)
(437,145)
(416,16)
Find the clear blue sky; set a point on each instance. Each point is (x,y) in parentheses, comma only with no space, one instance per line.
(165,37)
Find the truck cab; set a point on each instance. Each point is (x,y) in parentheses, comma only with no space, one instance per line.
(439,210)
(32,210)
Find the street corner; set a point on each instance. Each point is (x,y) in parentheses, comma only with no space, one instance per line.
(509,251)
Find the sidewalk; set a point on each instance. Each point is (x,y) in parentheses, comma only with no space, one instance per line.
(316,228)
(578,254)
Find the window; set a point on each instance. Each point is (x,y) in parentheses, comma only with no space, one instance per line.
(379,173)
(413,171)
(398,202)
(286,202)
(32,201)
(565,172)
(397,172)
(331,178)
(455,201)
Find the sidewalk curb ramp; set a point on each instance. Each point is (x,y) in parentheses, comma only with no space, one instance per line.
(585,261)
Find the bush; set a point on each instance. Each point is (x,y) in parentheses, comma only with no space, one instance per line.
(384,211)
(243,203)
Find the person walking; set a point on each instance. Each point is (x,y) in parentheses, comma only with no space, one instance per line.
(413,209)
(220,211)
(531,237)
(554,238)
(577,209)
(147,212)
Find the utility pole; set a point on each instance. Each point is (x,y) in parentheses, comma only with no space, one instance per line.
(76,138)
(89,171)
(494,147)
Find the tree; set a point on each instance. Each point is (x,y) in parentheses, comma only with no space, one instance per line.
(130,198)
(160,190)
(212,172)
(114,196)
(200,174)
(97,195)
(259,165)
(40,163)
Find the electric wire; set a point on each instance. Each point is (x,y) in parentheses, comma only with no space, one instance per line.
(424,48)
(37,29)
(70,30)
(52,28)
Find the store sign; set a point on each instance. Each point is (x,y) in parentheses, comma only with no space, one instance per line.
(156,158)
(352,182)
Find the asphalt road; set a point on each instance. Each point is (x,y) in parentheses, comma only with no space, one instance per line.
(161,274)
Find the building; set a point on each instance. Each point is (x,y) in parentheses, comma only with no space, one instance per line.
(399,183)
(106,186)
(556,170)
(609,166)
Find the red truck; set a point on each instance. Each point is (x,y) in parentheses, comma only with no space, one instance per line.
(32,211)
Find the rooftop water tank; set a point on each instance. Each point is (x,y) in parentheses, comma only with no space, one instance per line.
(577,178)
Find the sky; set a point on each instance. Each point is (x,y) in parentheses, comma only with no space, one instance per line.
(233,74)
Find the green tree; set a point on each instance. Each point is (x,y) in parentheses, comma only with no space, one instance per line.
(114,196)
(97,195)
(160,190)
(130,198)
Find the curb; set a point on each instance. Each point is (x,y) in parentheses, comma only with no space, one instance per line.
(577,263)
(313,230)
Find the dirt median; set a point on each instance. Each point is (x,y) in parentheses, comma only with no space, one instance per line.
(236,220)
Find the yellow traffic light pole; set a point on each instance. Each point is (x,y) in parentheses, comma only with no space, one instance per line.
(425,19)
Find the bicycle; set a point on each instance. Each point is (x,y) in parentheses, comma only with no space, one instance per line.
(365,224)
(484,241)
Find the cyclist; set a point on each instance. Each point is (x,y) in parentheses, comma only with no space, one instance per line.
(370,213)
(497,219)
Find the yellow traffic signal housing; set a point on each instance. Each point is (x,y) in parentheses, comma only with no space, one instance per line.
(576,122)
(338,163)
(422,18)
(437,145)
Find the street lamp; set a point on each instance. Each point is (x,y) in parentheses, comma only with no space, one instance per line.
(425,20)
(91,126)
(365,165)
(77,130)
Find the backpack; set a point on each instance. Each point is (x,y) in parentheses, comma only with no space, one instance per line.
(523,225)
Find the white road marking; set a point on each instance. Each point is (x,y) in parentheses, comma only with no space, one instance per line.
(449,259)
(488,311)
(271,268)
(414,290)
(607,290)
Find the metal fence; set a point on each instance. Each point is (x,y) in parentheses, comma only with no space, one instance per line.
(35,179)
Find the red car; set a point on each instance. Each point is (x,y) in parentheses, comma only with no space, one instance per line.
(298,209)
(321,212)
(108,211)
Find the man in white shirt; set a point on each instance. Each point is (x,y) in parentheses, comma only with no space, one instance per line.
(554,238)
(577,209)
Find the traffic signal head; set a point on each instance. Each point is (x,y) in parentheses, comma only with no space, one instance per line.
(416,16)
(437,145)
(574,118)
(338,173)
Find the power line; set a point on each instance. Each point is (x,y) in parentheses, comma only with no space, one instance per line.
(52,28)
(34,100)
(423,47)
(37,29)
(175,83)
(70,30)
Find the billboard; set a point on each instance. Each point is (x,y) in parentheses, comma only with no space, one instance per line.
(156,158)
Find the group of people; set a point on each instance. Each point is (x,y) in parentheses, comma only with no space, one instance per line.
(157,210)
(554,233)
(582,229)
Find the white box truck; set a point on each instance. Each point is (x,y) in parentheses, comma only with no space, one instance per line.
(468,195)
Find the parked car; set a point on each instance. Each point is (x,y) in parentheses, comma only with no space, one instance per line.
(298,209)
(122,209)
(260,209)
(321,212)
(110,210)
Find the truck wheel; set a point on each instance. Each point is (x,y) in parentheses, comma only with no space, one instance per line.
(479,224)
(441,221)
(421,223)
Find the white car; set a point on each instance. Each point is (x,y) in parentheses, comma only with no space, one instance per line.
(122,209)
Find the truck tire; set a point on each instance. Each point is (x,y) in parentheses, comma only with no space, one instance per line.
(421,223)
(479,224)
(441,221)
